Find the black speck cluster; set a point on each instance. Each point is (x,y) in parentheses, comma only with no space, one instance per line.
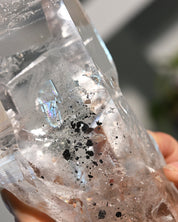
(90,153)
(81,126)
(89,143)
(101,214)
(66,154)
(79,147)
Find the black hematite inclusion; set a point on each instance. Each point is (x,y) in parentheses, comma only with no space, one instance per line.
(89,143)
(66,154)
(85,127)
(101,161)
(90,153)
(118,214)
(90,176)
(98,123)
(101,214)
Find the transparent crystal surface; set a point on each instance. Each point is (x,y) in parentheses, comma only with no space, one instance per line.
(70,145)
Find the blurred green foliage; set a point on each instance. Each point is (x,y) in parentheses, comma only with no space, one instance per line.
(164,108)
(174,62)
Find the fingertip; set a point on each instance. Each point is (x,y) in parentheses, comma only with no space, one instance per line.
(171,172)
(168,145)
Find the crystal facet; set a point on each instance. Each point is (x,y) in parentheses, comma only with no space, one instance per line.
(69,143)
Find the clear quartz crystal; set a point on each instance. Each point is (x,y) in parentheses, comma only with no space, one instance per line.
(70,145)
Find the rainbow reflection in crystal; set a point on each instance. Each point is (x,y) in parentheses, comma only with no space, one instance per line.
(49,101)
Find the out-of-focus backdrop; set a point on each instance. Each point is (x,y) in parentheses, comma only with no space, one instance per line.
(142,36)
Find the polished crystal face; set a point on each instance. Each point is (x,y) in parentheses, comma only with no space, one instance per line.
(69,143)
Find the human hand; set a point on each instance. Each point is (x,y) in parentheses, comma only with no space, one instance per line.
(168,146)
(21,211)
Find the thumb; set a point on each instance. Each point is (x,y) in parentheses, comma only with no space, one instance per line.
(171,172)
(21,211)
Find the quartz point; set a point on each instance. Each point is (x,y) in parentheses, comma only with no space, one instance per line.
(70,145)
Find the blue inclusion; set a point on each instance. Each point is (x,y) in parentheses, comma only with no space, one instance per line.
(50,107)
(52,113)
(60,117)
(80,176)
(42,108)
(32,173)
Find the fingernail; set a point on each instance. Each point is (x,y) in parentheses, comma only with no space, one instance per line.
(172,166)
